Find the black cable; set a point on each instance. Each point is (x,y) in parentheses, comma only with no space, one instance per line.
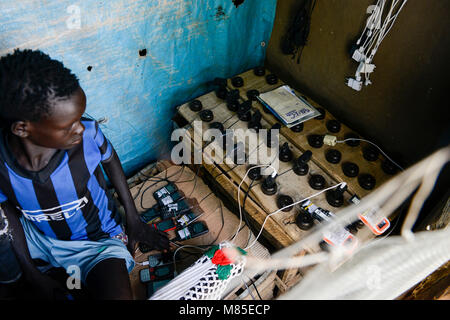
(256,289)
(165,179)
(298,32)
(244,213)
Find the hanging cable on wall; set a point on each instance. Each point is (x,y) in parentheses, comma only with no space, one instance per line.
(375,30)
(297,35)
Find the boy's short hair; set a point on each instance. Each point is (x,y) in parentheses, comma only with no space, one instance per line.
(30,82)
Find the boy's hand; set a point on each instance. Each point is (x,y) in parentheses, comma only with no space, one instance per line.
(141,232)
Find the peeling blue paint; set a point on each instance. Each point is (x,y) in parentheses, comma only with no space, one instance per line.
(187,46)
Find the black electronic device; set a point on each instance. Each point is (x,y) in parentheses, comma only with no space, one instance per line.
(151,215)
(171,198)
(193,230)
(174,209)
(165,191)
(164,225)
(154,286)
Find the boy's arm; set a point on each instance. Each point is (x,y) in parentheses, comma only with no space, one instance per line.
(136,229)
(44,283)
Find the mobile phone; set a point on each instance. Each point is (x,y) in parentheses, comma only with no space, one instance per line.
(193,230)
(165,191)
(151,215)
(165,225)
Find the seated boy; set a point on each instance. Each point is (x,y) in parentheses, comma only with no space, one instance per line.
(52,188)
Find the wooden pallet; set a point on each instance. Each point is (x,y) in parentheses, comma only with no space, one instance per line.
(314,126)
(280,229)
(288,183)
(265,284)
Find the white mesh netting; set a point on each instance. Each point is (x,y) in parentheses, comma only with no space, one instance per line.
(199,282)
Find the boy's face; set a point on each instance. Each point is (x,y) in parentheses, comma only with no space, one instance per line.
(63,128)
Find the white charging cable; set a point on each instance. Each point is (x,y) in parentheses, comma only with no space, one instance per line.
(375,31)
(331,140)
(273,175)
(288,206)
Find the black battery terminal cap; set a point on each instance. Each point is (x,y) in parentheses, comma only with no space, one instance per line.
(221,93)
(237,82)
(301,166)
(388,167)
(370,153)
(195,105)
(206,115)
(366,181)
(271,79)
(283,201)
(259,71)
(315,140)
(255,121)
(220,82)
(335,197)
(217,125)
(350,169)
(322,112)
(352,143)
(255,173)
(269,186)
(317,182)
(298,127)
(304,220)
(285,153)
(333,156)
(252,94)
(333,126)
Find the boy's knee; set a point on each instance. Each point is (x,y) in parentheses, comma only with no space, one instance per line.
(109,280)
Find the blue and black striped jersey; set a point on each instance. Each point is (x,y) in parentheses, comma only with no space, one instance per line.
(68,198)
